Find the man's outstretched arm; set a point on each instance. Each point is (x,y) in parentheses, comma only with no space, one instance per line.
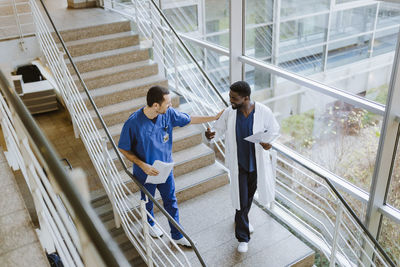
(203,119)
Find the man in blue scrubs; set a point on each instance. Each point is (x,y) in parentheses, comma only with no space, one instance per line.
(147,136)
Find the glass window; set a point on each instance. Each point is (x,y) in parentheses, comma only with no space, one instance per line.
(303,32)
(258,78)
(385,41)
(338,136)
(292,8)
(388,15)
(183,19)
(305,61)
(389,239)
(347,51)
(217,22)
(259,11)
(393,197)
(259,42)
(352,21)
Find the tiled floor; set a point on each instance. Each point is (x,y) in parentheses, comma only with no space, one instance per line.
(19,244)
(65,18)
(58,128)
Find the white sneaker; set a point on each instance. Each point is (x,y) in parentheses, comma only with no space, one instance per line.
(183,242)
(251,228)
(243,247)
(155,231)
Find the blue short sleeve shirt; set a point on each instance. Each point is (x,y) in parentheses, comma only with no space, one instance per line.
(151,141)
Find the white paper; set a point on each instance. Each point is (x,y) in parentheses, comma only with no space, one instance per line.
(164,169)
(262,137)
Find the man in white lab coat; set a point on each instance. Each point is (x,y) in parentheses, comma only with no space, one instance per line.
(249,164)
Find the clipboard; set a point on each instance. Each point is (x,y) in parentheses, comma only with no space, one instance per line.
(262,137)
(164,169)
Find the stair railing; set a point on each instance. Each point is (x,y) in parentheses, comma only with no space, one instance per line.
(57,196)
(179,66)
(190,80)
(22,28)
(127,209)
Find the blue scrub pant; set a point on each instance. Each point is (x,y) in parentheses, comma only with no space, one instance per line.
(247,189)
(167,192)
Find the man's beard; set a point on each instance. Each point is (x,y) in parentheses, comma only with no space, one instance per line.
(237,106)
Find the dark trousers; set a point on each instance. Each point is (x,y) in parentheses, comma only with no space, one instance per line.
(247,188)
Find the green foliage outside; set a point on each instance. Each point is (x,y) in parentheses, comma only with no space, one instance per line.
(300,127)
(356,165)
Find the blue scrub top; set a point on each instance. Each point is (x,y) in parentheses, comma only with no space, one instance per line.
(147,140)
(245,149)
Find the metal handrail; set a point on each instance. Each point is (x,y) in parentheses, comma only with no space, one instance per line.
(296,158)
(188,52)
(278,147)
(110,139)
(101,239)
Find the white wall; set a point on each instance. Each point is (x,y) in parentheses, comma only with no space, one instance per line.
(12,56)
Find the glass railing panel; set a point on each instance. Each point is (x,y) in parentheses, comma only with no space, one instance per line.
(393,195)
(389,239)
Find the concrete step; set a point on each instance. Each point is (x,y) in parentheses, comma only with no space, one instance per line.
(117,74)
(7,9)
(183,137)
(125,91)
(186,186)
(120,112)
(95,31)
(109,59)
(101,43)
(10,21)
(186,160)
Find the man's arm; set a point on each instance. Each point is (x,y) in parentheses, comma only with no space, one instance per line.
(149,170)
(203,119)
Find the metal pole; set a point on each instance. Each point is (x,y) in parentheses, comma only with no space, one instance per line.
(146,232)
(339,212)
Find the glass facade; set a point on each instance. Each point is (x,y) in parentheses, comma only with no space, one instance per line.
(346,44)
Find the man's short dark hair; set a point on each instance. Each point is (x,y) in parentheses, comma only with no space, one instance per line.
(242,88)
(156,95)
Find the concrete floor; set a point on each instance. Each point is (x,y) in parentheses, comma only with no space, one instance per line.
(19,244)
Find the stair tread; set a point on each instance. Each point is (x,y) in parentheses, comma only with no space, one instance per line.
(124,86)
(178,132)
(108,53)
(114,69)
(181,182)
(99,38)
(122,106)
(67,30)
(184,155)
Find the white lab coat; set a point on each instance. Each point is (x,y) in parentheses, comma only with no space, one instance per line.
(263,120)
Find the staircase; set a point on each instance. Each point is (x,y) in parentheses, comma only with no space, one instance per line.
(118,71)
(9,25)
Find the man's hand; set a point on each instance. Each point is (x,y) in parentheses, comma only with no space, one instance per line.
(266,146)
(219,114)
(149,170)
(210,135)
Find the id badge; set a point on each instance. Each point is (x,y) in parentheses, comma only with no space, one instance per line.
(166,137)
